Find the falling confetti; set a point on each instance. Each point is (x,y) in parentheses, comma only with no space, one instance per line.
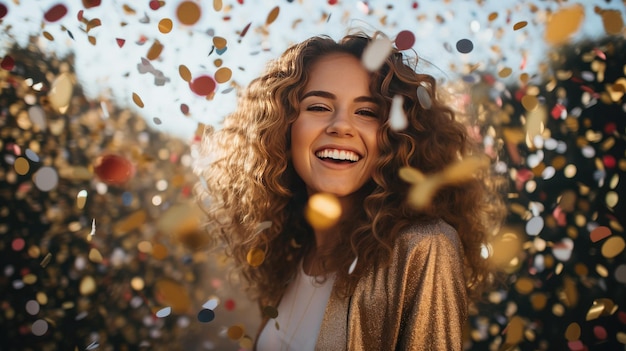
(376,53)
(397,117)
(323,210)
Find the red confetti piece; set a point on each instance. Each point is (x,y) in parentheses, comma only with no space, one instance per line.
(600,54)
(3,11)
(599,332)
(113,169)
(600,233)
(203,85)
(91,3)
(332,2)
(7,63)
(557,111)
(415,5)
(155,5)
(576,345)
(79,15)
(245,30)
(184,109)
(610,128)
(229,304)
(609,161)
(120,42)
(55,13)
(405,40)
(240,2)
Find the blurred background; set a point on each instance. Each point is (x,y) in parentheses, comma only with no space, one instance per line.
(102,105)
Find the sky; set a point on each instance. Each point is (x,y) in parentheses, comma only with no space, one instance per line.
(118,57)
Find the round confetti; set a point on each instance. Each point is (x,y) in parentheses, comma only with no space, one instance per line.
(219,43)
(3,10)
(255,257)
(323,210)
(155,4)
(620,273)
(405,40)
(21,166)
(206,315)
(613,246)
(424,97)
(573,332)
(492,16)
(113,169)
(87,285)
(270,311)
(165,25)
(157,120)
(46,178)
(464,46)
(235,332)
(91,3)
(223,75)
(61,92)
(55,13)
(505,72)
(7,63)
(229,305)
(599,332)
(534,225)
(153,53)
(18,244)
(188,12)
(203,85)
(174,294)
(159,251)
(39,327)
(32,307)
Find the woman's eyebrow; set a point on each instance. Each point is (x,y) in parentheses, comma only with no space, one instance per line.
(329,95)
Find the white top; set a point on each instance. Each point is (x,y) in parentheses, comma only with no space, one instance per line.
(300,315)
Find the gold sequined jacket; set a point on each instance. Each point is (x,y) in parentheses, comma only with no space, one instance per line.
(418,302)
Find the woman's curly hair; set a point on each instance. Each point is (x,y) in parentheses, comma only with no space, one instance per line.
(248,178)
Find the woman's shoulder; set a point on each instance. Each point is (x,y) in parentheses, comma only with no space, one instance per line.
(424,235)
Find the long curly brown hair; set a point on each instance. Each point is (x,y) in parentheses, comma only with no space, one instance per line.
(248,178)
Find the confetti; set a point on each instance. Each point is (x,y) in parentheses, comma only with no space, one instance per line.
(206,315)
(55,13)
(271,17)
(323,210)
(188,12)
(353,265)
(405,40)
(7,63)
(202,85)
(561,25)
(255,257)
(3,10)
(165,25)
(61,92)
(423,96)
(397,117)
(376,53)
(464,46)
(235,332)
(113,169)
(520,25)
(46,178)
(164,312)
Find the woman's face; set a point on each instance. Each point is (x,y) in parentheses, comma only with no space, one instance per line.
(334,139)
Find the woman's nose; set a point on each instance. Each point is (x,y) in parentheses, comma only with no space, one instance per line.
(341,124)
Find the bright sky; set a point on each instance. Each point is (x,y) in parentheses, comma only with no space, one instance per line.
(106,69)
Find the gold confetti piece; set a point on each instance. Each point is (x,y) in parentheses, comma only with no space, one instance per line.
(165,25)
(92,40)
(137,100)
(520,25)
(464,170)
(137,283)
(529,102)
(411,175)
(131,222)
(81,199)
(612,21)
(323,210)
(572,332)
(87,285)
(246,343)
(223,75)
(255,257)
(29,279)
(93,24)
(492,16)
(621,337)
(159,251)
(235,332)
(524,285)
(174,294)
(514,331)
(184,72)
(505,72)
(61,92)
(595,311)
(397,117)
(46,260)
(538,301)
(95,256)
(47,35)
(219,42)
(188,13)
(21,166)
(613,246)
(271,17)
(217,5)
(562,24)
(155,51)
(375,53)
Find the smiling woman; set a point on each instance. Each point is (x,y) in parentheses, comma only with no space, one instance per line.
(318,123)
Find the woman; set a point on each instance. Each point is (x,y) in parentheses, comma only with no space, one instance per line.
(317,122)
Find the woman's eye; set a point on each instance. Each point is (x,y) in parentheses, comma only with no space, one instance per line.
(317,108)
(367,113)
